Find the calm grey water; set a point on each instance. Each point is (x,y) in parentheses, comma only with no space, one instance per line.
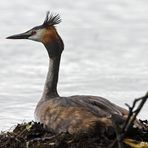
(106,53)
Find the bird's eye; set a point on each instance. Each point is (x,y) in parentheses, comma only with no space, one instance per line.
(33,32)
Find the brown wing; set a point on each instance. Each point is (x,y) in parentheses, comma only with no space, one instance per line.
(99,106)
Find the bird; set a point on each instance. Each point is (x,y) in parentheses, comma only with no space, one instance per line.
(73,114)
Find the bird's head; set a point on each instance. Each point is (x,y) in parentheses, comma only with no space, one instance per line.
(45,33)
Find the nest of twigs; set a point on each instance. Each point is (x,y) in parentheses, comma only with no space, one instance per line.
(34,135)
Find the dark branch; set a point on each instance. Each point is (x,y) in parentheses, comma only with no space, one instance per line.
(121,132)
(133,113)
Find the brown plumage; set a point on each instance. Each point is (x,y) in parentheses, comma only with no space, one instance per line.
(76,113)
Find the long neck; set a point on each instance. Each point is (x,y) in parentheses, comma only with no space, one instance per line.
(54,51)
(50,88)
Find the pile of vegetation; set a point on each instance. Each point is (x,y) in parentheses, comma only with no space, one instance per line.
(34,135)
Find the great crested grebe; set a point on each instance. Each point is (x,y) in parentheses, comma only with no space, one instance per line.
(75,113)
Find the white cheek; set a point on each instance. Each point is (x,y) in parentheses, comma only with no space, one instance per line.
(34,38)
(37,37)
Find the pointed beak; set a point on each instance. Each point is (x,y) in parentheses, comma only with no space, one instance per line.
(25,35)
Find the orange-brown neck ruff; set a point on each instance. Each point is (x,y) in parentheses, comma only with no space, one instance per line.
(50,35)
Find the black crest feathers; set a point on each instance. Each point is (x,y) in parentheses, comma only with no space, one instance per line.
(51,19)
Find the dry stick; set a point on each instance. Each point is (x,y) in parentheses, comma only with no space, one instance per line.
(133,114)
(129,121)
(130,114)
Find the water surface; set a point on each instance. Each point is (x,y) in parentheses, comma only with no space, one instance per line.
(105,53)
